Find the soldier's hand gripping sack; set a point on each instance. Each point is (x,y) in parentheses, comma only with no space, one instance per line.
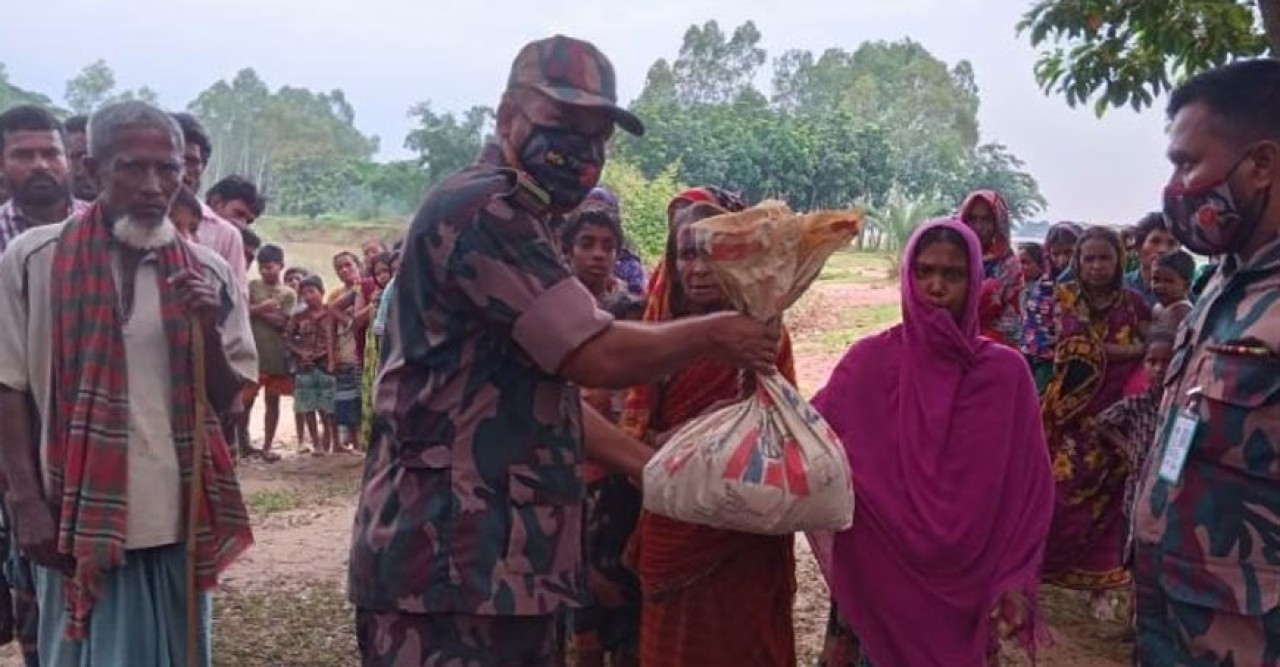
(768,464)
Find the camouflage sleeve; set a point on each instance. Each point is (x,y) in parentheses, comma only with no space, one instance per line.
(508,269)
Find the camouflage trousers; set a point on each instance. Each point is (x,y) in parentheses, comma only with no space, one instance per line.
(395,639)
(1172,632)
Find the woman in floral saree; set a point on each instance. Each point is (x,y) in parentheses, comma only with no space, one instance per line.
(711,597)
(1101,326)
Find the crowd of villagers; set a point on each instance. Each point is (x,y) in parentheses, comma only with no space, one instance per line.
(1103,302)
(1091,311)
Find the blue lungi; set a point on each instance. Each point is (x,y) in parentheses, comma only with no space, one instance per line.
(141,618)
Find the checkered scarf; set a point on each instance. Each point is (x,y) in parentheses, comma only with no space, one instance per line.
(88,420)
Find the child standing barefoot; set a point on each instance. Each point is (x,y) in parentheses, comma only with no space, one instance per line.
(271,304)
(348,314)
(311,343)
(293,278)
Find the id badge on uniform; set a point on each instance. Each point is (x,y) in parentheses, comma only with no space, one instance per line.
(1179,446)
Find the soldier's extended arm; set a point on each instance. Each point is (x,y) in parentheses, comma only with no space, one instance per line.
(631,353)
(556,320)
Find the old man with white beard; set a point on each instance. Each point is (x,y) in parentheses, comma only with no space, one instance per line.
(108,441)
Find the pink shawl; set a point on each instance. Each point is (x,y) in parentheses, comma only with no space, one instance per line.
(955,493)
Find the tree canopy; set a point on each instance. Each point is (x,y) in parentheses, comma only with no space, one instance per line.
(1116,53)
(12,95)
(297,144)
(95,86)
(838,128)
(886,124)
(444,142)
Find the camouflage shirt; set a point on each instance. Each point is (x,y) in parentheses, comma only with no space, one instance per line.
(1215,535)
(472,498)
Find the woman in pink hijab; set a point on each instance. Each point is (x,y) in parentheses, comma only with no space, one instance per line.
(955,493)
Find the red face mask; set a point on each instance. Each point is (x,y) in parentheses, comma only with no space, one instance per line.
(1208,220)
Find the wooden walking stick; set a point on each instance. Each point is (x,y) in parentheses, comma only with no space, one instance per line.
(199,445)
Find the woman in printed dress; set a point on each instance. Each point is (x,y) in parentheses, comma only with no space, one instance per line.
(1101,326)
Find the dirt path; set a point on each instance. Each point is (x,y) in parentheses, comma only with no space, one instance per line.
(308,546)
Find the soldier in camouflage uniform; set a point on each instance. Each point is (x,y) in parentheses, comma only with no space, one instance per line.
(468,540)
(1207,517)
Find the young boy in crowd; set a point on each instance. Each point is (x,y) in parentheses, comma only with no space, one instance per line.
(310,340)
(349,314)
(252,244)
(592,238)
(608,627)
(186,213)
(1171,279)
(271,306)
(293,279)
(1130,425)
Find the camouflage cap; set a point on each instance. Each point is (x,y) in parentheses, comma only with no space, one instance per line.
(573,72)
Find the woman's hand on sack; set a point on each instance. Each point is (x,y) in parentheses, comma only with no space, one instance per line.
(744,342)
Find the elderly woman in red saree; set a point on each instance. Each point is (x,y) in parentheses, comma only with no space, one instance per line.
(1000,308)
(955,494)
(711,597)
(1101,326)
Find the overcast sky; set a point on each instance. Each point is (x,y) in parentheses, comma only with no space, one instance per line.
(389,54)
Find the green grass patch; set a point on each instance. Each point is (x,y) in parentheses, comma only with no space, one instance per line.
(262,503)
(856,323)
(848,265)
(309,624)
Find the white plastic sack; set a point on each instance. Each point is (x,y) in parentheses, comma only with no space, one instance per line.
(769,464)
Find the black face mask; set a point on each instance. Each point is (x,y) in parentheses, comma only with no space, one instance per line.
(567,165)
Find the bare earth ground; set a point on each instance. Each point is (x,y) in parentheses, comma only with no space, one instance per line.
(284,603)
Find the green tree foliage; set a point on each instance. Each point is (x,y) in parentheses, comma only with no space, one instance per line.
(12,95)
(91,87)
(311,185)
(839,128)
(387,187)
(892,223)
(444,142)
(95,86)
(265,135)
(1117,53)
(644,204)
(715,69)
(995,168)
